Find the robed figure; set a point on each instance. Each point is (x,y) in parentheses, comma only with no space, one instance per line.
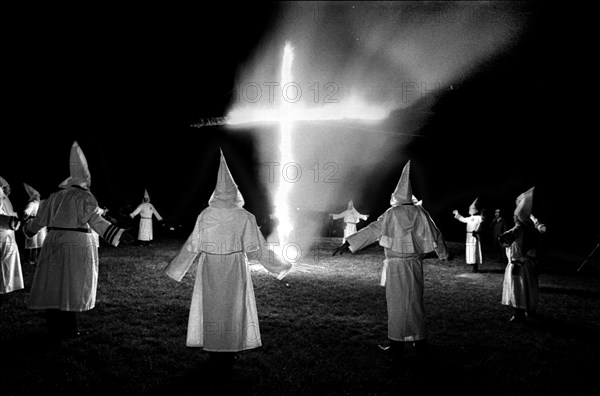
(351,217)
(66,277)
(520,287)
(407,233)
(473,255)
(146,210)
(11,275)
(34,244)
(223,317)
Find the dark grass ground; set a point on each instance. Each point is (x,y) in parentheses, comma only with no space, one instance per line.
(319,335)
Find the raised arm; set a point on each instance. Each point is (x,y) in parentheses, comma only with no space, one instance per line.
(458,216)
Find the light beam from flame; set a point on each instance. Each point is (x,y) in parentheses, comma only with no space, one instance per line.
(282,209)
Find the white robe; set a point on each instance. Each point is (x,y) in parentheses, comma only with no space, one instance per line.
(223,316)
(31,211)
(145,210)
(473,243)
(407,232)
(520,287)
(66,276)
(351,218)
(11,276)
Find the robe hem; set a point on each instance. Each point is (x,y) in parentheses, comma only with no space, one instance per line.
(223,350)
(407,339)
(59,308)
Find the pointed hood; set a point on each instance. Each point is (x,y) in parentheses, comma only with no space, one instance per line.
(226,194)
(350,205)
(78,168)
(32,192)
(146,195)
(403,192)
(526,194)
(3,182)
(524,205)
(474,206)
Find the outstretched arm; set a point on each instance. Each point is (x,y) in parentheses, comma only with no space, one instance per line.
(108,231)
(276,266)
(158,216)
(538,226)
(341,249)
(136,211)
(368,235)
(338,215)
(184,259)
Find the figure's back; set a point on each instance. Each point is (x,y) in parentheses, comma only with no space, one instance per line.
(407,229)
(69,208)
(224,231)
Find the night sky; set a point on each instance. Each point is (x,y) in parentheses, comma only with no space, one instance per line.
(128,85)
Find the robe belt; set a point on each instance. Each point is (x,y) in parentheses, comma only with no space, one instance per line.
(147,218)
(85,230)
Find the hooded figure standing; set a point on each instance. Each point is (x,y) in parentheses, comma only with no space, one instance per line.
(66,276)
(11,276)
(351,218)
(473,255)
(223,317)
(33,245)
(498,228)
(407,233)
(145,210)
(520,286)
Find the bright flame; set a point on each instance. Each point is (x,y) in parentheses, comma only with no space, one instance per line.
(352,108)
(282,209)
(285,116)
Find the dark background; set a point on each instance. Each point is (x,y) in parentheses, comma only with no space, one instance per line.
(128,85)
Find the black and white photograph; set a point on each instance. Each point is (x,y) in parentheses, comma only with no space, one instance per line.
(292,198)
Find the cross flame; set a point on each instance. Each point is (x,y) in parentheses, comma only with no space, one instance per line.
(282,209)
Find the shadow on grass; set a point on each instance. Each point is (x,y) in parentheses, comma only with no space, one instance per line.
(206,379)
(564,329)
(491,271)
(570,292)
(28,344)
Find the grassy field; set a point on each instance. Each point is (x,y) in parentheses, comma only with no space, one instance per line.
(319,334)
